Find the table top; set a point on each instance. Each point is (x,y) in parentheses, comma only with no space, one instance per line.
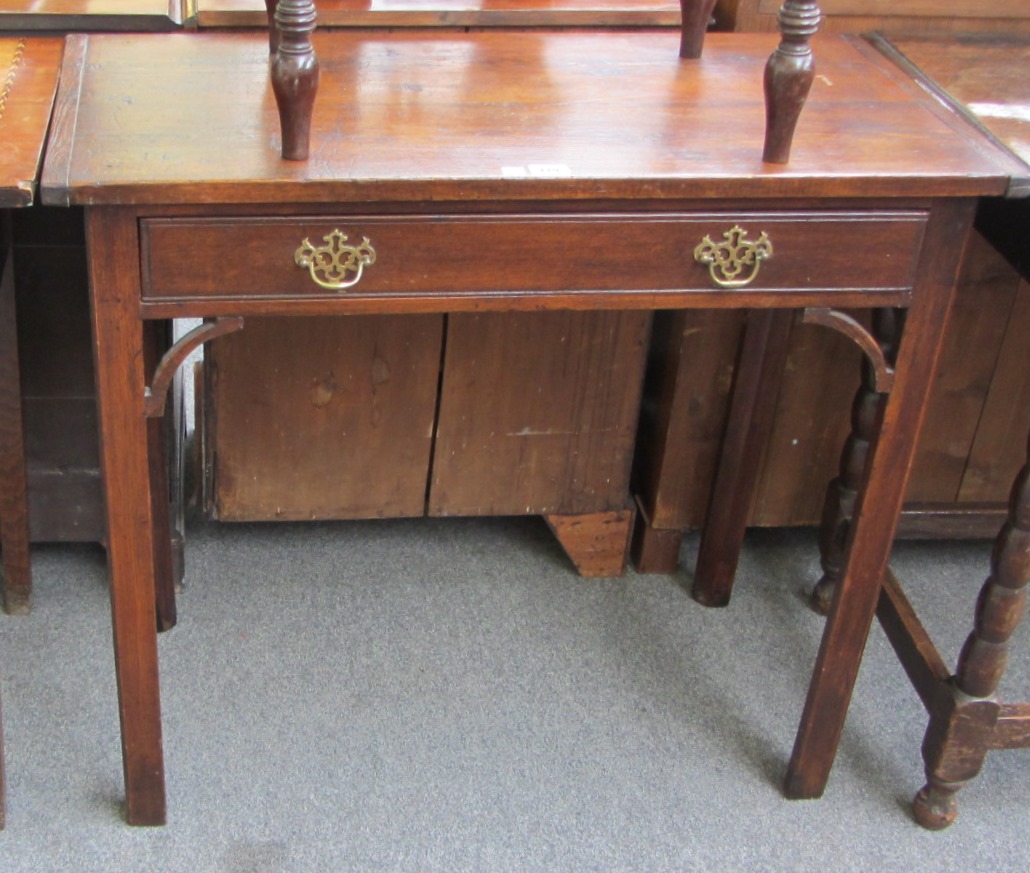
(494,116)
(986,78)
(28,80)
(67,15)
(455,13)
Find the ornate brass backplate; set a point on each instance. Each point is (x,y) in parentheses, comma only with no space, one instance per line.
(735,262)
(331,264)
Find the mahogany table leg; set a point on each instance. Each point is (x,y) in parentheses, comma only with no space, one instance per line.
(14,488)
(879,502)
(962,721)
(842,492)
(788,77)
(763,356)
(125,443)
(156,341)
(294,75)
(694,18)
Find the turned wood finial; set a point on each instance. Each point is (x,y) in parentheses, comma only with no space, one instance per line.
(788,77)
(295,74)
(695,16)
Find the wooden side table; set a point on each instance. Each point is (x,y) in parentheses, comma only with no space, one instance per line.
(500,172)
(56,391)
(63,16)
(28,81)
(986,81)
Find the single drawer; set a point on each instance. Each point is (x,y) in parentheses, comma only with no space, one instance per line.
(491,256)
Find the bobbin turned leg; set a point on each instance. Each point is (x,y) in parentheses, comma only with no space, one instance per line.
(295,75)
(694,18)
(957,738)
(788,77)
(843,491)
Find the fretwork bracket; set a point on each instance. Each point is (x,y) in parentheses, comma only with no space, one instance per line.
(883,372)
(156,395)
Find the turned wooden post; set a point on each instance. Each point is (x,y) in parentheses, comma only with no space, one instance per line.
(695,15)
(295,75)
(957,737)
(273,31)
(843,491)
(788,77)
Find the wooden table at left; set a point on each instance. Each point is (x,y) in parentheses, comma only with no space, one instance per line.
(62,16)
(28,83)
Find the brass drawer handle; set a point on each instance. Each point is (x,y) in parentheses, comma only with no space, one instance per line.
(727,260)
(330,264)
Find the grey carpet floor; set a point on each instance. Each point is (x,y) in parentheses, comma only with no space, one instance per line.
(447,695)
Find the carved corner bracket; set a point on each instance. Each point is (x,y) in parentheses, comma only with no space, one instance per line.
(883,372)
(156,394)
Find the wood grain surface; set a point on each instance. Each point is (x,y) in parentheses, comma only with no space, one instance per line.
(418,115)
(455,13)
(28,79)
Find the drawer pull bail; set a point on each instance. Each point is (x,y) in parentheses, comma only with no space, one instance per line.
(728,260)
(330,265)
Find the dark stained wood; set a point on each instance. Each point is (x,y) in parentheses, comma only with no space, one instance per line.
(994,456)
(759,371)
(788,77)
(205,260)
(694,19)
(959,413)
(447,121)
(125,455)
(809,428)
(28,83)
(157,338)
(893,16)
(966,717)
(455,13)
(294,75)
(958,735)
(877,507)
(842,492)
(654,550)
(690,371)
(26,16)
(538,413)
(915,650)
(14,497)
(952,469)
(655,122)
(58,393)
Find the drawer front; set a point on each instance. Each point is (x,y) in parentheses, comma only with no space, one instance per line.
(490,256)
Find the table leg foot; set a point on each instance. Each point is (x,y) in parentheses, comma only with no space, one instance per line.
(935,806)
(597,542)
